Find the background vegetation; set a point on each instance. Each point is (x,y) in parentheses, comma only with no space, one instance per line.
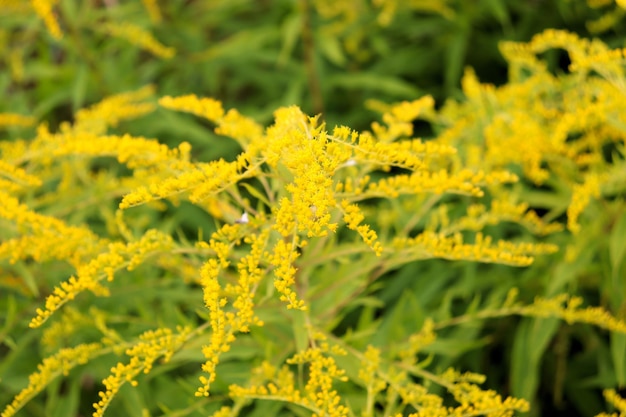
(347,60)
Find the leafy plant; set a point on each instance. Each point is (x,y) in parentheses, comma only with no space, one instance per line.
(301,268)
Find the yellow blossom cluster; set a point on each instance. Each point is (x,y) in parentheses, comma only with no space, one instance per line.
(475,401)
(398,118)
(112,110)
(201,181)
(14,119)
(58,364)
(471,399)
(152,6)
(500,210)
(89,275)
(418,341)
(581,195)
(70,322)
(617,400)
(44,237)
(283,257)
(14,178)
(367,372)
(353,218)
(303,148)
(318,394)
(429,244)
(249,276)
(569,308)
(153,344)
(225,323)
(280,385)
(44,9)
(555,128)
(138,36)
(231,123)
(464,182)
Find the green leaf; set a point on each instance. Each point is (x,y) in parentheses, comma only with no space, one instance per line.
(68,404)
(531,340)
(499,11)
(300,331)
(454,58)
(79,89)
(618,352)
(291,30)
(256,193)
(617,246)
(330,47)
(375,83)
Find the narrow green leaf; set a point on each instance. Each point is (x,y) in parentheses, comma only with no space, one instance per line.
(256,193)
(79,89)
(618,352)
(531,340)
(617,246)
(300,332)
(455,56)
(290,32)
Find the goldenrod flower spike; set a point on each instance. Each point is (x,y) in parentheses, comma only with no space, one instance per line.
(58,364)
(140,37)
(44,9)
(14,119)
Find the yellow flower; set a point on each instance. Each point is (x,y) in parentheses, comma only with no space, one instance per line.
(140,37)
(14,119)
(44,9)
(581,197)
(60,363)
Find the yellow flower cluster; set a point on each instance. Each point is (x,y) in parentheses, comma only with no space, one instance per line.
(112,110)
(280,385)
(435,245)
(249,277)
(14,119)
(104,265)
(231,123)
(44,237)
(353,218)
(225,324)
(221,337)
(569,308)
(152,6)
(474,401)
(319,387)
(501,209)
(58,364)
(138,36)
(618,401)
(318,395)
(303,148)
(418,341)
(200,180)
(464,387)
(283,257)
(398,118)
(14,179)
(153,344)
(70,323)
(556,128)
(464,182)
(367,373)
(43,8)
(581,196)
